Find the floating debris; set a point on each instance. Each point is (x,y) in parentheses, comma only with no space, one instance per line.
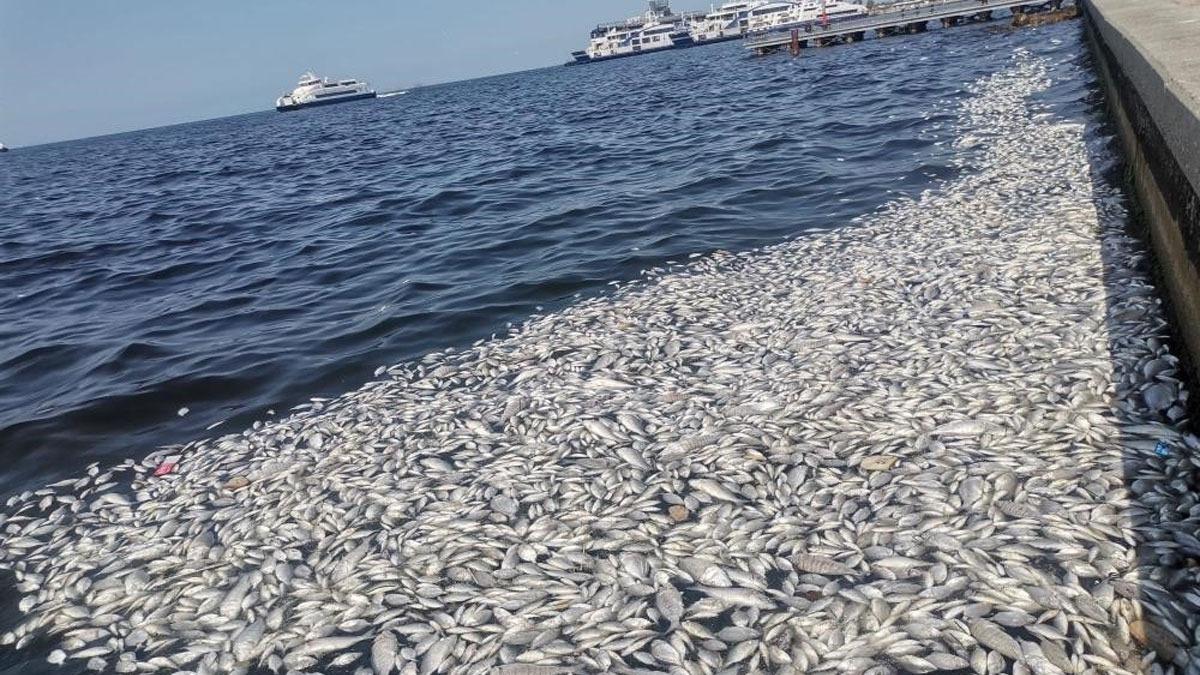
(923,443)
(1025,19)
(879,462)
(167,466)
(679,513)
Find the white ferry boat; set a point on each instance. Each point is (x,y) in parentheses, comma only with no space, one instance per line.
(783,15)
(313,91)
(656,30)
(727,22)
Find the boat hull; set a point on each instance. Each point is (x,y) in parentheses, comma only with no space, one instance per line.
(314,104)
(679,41)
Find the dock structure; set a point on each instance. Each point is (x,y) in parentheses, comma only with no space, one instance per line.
(902,18)
(1150,71)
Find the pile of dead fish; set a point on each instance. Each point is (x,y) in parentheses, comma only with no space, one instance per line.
(945,438)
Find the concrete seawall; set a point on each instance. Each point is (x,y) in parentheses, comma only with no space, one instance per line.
(1148,54)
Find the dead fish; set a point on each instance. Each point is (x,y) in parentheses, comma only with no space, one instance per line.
(714,489)
(435,658)
(527,669)
(1013,618)
(993,637)
(383,653)
(682,448)
(231,604)
(738,597)
(963,428)
(245,641)
(815,564)
(322,646)
(669,603)
(633,458)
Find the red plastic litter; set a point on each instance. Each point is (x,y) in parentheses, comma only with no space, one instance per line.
(164,469)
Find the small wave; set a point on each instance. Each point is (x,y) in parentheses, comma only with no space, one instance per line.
(448,202)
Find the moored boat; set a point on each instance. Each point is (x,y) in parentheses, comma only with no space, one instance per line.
(656,30)
(727,22)
(807,13)
(315,91)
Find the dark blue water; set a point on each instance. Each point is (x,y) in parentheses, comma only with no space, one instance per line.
(243,265)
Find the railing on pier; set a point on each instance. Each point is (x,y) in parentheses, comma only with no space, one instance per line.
(933,10)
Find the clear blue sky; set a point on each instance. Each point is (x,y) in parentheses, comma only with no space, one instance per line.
(76,68)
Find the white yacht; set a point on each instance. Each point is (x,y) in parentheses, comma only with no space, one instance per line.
(727,22)
(2,148)
(808,13)
(314,91)
(657,29)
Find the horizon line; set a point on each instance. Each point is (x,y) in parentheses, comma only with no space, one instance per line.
(247,113)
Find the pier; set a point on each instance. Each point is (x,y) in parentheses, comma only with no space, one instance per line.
(907,18)
(1150,66)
